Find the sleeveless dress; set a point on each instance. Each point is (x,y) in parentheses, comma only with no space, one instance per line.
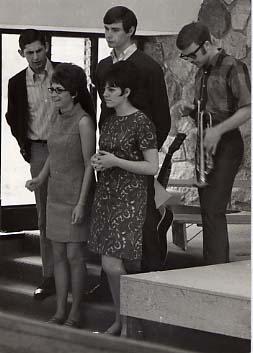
(66,177)
(119,207)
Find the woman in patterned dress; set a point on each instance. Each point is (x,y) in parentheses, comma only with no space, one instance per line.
(127,154)
(71,145)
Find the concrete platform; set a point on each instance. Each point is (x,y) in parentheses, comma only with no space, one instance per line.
(213,298)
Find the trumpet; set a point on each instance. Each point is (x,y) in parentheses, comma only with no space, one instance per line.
(203,159)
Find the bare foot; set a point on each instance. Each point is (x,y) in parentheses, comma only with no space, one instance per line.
(76,318)
(123,332)
(74,315)
(123,326)
(114,330)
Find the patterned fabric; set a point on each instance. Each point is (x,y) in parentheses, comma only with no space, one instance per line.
(151,97)
(228,86)
(119,207)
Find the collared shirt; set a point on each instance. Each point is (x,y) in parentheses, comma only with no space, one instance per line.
(227,86)
(41,107)
(124,55)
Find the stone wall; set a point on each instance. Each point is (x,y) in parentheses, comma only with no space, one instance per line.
(230,24)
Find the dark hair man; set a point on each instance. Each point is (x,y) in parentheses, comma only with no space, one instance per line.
(30,110)
(222,88)
(120,25)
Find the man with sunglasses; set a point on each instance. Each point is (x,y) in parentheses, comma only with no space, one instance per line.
(222,88)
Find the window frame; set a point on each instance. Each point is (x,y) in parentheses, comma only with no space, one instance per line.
(24,217)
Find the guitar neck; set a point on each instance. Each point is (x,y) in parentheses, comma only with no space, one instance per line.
(164,174)
(165,170)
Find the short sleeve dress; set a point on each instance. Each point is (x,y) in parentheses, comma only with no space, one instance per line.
(66,177)
(119,206)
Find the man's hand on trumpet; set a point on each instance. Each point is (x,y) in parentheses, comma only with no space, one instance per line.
(186,109)
(211,139)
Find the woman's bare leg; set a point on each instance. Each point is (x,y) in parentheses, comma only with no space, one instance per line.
(78,272)
(61,274)
(114,268)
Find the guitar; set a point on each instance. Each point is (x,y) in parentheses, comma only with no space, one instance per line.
(163,178)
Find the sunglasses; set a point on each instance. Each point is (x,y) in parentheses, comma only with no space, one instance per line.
(57,90)
(192,55)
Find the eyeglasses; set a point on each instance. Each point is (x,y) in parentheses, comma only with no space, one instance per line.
(192,55)
(57,90)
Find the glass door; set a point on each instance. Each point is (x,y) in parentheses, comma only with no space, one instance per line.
(14,170)
(18,210)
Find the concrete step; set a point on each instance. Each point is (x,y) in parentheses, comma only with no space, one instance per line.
(16,297)
(27,268)
(31,243)
(20,260)
(201,309)
(30,336)
(213,298)
(11,244)
(20,274)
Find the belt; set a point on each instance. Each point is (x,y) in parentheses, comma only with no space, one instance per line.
(38,141)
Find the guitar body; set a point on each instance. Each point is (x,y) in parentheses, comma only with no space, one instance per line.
(163,178)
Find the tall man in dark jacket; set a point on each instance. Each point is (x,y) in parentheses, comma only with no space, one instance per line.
(30,110)
(120,25)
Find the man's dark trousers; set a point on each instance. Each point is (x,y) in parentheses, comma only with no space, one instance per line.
(214,198)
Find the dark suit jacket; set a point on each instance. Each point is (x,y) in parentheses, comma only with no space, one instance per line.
(152,96)
(17,114)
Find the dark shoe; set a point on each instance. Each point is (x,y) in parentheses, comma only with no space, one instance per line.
(114,333)
(114,329)
(73,323)
(56,320)
(46,289)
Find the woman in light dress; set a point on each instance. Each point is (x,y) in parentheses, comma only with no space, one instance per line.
(71,179)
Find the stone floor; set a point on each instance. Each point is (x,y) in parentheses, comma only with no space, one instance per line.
(240,246)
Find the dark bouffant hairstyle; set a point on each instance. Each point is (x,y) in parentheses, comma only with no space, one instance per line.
(121,14)
(73,79)
(29,36)
(124,75)
(195,32)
